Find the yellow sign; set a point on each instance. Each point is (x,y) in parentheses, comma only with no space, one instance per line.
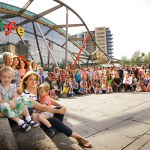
(20,31)
(99,57)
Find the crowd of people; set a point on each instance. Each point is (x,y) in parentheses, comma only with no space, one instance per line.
(29,97)
(25,99)
(97,80)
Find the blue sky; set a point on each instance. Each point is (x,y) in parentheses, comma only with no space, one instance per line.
(127,19)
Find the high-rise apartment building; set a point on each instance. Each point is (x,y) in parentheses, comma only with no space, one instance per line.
(103,38)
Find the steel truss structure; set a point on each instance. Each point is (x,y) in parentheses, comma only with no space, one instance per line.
(37,18)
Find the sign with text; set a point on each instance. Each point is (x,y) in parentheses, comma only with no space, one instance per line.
(11,26)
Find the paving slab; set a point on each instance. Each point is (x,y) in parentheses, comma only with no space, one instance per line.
(143,117)
(109,140)
(127,114)
(146,146)
(138,143)
(102,123)
(72,119)
(122,117)
(131,128)
(84,130)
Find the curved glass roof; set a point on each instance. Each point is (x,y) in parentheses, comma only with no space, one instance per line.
(42,20)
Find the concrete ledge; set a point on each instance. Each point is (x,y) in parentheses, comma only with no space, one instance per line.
(13,138)
(7,140)
(35,139)
(65,143)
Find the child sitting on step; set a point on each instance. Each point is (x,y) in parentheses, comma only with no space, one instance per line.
(53,94)
(97,89)
(45,99)
(10,104)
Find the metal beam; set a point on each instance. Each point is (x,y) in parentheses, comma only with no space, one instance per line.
(25,6)
(76,39)
(71,39)
(80,54)
(52,42)
(47,44)
(40,15)
(64,44)
(36,38)
(75,57)
(60,2)
(20,11)
(109,62)
(69,25)
(4,10)
(95,52)
(72,57)
(66,52)
(26,47)
(49,30)
(83,57)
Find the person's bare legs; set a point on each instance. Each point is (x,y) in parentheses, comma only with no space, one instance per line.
(29,119)
(26,112)
(2,115)
(15,119)
(35,117)
(43,119)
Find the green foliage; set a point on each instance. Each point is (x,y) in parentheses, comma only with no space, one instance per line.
(124,61)
(62,64)
(146,59)
(70,63)
(136,58)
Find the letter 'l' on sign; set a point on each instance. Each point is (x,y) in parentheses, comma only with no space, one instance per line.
(1,25)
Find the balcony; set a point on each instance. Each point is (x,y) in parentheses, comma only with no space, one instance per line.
(109,34)
(109,41)
(110,48)
(110,52)
(109,38)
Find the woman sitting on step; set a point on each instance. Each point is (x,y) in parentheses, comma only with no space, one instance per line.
(29,87)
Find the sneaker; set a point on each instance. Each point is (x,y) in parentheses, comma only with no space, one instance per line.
(33,124)
(25,127)
(51,132)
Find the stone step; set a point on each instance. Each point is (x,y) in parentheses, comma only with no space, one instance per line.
(65,143)
(7,140)
(36,139)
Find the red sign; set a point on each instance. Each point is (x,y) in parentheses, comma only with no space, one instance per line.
(10,26)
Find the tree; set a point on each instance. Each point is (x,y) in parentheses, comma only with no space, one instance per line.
(70,63)
(136,58)
(146,59)
(62,64)
(124,61)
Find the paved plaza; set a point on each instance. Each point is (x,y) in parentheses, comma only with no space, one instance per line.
(118,121)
